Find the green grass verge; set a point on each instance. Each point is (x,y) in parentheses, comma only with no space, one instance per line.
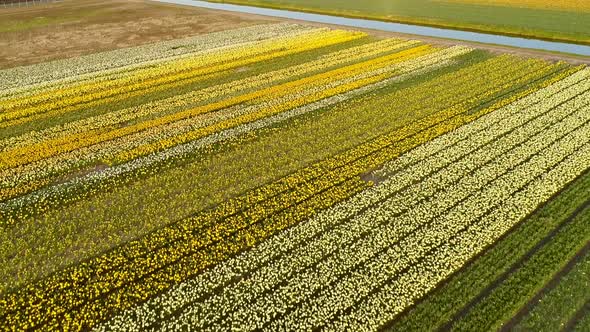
(584,324)
(67,17)
(554,310)
(439,307)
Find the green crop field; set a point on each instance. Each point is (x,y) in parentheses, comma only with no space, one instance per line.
(279,176)
(554,22)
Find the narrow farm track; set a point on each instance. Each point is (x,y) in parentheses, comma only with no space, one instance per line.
(283,177)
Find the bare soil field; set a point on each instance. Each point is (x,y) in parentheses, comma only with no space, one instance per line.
(41,33)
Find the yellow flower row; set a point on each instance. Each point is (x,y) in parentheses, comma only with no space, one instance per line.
(162,81)
(208,93)
(22,156)
(200,64)
(18,188)
(164,144)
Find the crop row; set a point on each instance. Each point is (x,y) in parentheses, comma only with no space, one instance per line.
(24,171)
(560,305)
(178,70)
(263,208)
(426,275)
(138,86)
(35,171)
(261,111)
(207,94)
(13,183)
(64,95)
(17,157)
(536,271)
(327,122)
(54,192)
(103,151)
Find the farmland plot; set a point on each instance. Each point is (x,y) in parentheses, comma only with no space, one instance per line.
(288,177)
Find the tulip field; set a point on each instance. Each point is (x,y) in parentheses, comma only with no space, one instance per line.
(284,177)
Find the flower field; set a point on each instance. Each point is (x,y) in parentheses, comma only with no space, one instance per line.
(284,177)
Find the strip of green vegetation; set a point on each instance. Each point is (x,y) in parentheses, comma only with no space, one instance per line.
(557,25)
(556,308)
(505,300)
(37,22)
(584,324)
(439,307)
(462,61)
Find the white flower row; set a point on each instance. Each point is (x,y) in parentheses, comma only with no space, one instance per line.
(551,96)
(223,273)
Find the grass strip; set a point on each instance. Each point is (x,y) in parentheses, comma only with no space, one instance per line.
(583,324)
(554,309)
